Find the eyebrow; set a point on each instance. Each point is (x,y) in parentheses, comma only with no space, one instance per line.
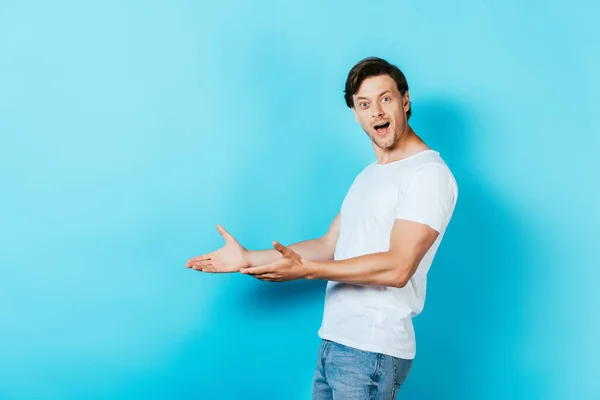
(380,94)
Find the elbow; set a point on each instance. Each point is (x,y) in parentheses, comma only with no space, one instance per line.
(399,282)
(401,276)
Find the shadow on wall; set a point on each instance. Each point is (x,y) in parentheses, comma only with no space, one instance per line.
(468,330)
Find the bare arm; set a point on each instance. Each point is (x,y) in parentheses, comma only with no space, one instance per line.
(233,256)
(320,249)
(408,244)
(430,198)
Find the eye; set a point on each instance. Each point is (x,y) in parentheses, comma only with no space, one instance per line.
(363,104)
(387,99)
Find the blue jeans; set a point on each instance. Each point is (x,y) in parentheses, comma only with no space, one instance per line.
(346,373)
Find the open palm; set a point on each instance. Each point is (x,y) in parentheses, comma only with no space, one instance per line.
(229,258)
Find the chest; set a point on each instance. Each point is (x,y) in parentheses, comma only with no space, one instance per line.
(370,196)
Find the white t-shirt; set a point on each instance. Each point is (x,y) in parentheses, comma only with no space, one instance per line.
(419,188)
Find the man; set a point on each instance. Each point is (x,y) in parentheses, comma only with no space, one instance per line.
(377,251)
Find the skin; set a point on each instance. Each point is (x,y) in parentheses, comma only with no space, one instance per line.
(377,100)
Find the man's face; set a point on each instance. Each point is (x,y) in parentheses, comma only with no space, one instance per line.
(381,110)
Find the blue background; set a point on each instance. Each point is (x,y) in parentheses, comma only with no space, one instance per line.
(130,129)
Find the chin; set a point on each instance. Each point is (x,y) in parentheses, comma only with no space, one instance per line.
(384,143)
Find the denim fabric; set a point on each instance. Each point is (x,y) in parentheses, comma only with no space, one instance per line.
(345,373)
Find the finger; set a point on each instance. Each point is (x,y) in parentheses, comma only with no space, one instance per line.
(217,269)
(203,257)
(224,233)
(285,251)
(267,277)
(212,268)
(202,264)
(263,269)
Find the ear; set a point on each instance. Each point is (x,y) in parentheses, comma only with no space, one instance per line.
(406,102)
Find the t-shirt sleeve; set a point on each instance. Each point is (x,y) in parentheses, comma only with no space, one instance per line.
(428,197)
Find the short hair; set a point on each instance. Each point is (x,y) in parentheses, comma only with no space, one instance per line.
(373,66)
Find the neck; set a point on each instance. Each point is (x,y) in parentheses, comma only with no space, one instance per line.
(409,144)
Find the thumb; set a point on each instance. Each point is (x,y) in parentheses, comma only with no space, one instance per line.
(224,233)
(285,251)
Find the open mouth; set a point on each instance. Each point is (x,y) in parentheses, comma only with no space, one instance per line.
(382,128)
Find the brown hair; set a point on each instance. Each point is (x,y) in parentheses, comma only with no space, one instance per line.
(373,66)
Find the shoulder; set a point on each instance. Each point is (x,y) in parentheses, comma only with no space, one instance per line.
(430,163)
(432,173)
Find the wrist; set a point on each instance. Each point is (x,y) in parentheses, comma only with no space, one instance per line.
(248,259)
(310,270)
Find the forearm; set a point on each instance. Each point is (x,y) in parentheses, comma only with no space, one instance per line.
(312,250)
(381,269)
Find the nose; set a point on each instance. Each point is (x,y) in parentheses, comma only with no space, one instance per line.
(377,112)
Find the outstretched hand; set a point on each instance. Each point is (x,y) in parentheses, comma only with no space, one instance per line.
(229,258)
(291,266)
